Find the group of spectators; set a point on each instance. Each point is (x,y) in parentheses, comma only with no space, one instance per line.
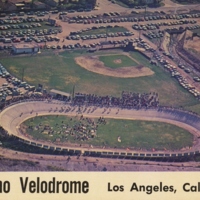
(25,97)
(127,100)
(80,129)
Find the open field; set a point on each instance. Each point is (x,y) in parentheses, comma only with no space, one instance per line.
(194,108)
(135,134)
(62,73)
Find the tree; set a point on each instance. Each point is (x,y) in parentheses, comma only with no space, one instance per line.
(157,2)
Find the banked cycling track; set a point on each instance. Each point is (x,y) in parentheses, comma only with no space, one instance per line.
(13,115)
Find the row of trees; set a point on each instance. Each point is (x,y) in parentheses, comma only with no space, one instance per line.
(188,1)
(132,3)
(77,4)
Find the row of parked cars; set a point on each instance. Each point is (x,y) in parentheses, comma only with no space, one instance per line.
(6,90)
(37,13)
(171,23)
(193,27)
(109,19)
(73,46)
(137,41)
(178,16)
(97,36)
(25,29)
(196,78)
(144,27)
(12,85)
(153,26)
(174,73)
(101,20)
(37,39)
(42,39)
(78,17)
(108,14)
(186,69)
(17,20)
(28,35)
(43,13)
(31,32)
(142,44)
(154,34)
(3,72)
(20,26)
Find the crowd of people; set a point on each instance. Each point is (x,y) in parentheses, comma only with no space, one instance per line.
(76,128)
(127,100)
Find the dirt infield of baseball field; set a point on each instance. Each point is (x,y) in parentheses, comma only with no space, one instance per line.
(93,64)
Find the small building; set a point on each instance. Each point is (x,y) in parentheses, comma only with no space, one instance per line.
(25,48)
(20,6)
(59,94)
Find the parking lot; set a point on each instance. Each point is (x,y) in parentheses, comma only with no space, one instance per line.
(11,86)
(33,28)
(87,30)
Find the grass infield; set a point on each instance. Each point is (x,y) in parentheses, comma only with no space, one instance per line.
(135,134)
(116,61)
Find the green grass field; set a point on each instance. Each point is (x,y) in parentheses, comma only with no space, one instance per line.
(111,61)
(62,73)
(135,134)
(104,31)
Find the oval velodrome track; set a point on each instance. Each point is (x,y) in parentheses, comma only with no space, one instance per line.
(11,118)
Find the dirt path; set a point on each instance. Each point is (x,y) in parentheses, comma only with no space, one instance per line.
(166,42)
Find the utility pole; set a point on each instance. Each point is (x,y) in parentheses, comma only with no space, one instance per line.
(73,91)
